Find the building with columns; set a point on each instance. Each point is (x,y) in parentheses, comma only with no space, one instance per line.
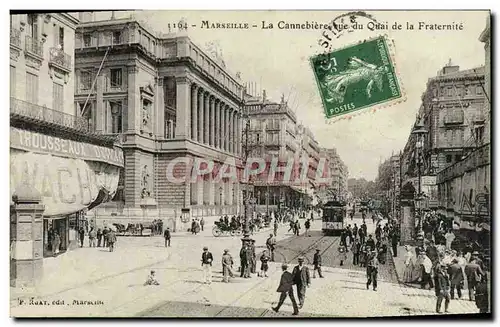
(59,168)
(166,99)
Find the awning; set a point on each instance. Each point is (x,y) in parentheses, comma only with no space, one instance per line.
(66,185)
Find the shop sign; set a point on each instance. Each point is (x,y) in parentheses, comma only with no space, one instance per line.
(41,143)
(66,185)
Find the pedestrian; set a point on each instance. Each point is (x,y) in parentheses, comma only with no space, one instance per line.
(202,223)
(167,236)
(271,245)
(343,238)
(297,227)
(92,237)
(105,232)
(356,249)
(349,234)
(244,262)
(394,243)
(81,234)
(362,235)
(307,225)
(474,273)
(151,280)
(193,227)
(482,295)
(426,271)
(286,288)
(227,266)
(99,237)
(456,279)
(275,227)
(206,263)
(317,264)
(378,233)
(264,266)
(355,231)
(302,279)
(442,287)
(342,254)
(372,270)
(253,267)
(408,274)
(370,242)
(56,242)
(111,240)
(292,227)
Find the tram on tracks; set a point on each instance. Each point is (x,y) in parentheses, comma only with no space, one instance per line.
(334,215)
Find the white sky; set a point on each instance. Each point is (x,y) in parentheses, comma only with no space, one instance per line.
(278,60)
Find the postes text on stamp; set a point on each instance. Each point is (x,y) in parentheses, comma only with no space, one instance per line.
(356,77)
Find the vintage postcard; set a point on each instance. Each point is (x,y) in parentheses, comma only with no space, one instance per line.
(250,164)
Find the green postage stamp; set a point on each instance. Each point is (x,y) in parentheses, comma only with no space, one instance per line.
(357,77)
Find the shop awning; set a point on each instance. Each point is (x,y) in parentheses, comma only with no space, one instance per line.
(66,185)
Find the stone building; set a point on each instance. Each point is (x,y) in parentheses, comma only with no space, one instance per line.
(465,187)
(59,168)
(172,104)
(338,173)
(275,133)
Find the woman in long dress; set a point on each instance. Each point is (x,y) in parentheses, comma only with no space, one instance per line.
(409,265)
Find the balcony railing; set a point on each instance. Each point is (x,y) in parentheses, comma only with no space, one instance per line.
(60,58)
(44,114)
(15,37)
(34,46)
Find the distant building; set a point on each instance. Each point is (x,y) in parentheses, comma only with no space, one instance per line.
(338,173)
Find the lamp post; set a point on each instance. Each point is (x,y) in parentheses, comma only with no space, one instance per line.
(420,131)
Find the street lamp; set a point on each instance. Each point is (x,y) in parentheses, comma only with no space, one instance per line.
(420,131)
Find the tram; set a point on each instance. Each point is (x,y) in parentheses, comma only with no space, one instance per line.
(334,214)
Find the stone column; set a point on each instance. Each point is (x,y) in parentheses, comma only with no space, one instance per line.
(194,112)
(133,106)
(183,111)
(159,118)
(216,123)
(212,191)
(229,129)
(212,122)
(235,133)
(223,126)
(26,243)
(199,192)
(201,116)
(206,126)
(240,135)
(219,124)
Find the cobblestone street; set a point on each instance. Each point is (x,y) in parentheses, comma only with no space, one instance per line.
(116,279)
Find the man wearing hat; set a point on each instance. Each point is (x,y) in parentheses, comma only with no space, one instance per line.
(286,288)
(474,274)
(271,244)
(317,264)
(442,287)
(372,270)
(227,265)
(206,263)
(302,279)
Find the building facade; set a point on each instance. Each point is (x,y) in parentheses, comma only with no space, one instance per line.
(338,173)
(173,105)
(275,133)
(465,187)
(59,168)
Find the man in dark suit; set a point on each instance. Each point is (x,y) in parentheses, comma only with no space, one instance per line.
(456,278)
(206,263)
(317,264)
(286,288)
(302,279)
(474,273)
(167,236)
